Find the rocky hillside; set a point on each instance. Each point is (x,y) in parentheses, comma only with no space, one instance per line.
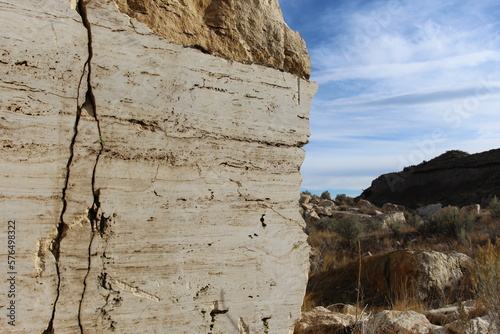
(453,178)
(394,270)
(150,166)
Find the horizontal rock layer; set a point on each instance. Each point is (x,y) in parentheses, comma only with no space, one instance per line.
(154,186)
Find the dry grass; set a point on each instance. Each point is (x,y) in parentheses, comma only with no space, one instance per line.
(485,277)
(332,254)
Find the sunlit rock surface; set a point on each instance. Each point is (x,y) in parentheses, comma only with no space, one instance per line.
(153,186)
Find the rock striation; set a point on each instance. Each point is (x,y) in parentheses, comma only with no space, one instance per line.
(153,185)
(453,178)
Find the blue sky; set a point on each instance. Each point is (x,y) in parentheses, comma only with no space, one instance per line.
(400,81)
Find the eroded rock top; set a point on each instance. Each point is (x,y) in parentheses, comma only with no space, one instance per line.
(244,31)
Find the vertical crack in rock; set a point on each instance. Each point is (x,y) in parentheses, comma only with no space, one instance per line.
(97,220)
(62,228)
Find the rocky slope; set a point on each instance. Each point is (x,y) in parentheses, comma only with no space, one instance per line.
(153,185)
(454,178)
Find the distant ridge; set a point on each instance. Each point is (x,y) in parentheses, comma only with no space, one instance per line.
(453,178)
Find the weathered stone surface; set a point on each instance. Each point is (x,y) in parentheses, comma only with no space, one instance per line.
(387,219)
(321,320)
(42,63)
(473,326)
(251,32)
(396,322)
(154,186)
(324,211)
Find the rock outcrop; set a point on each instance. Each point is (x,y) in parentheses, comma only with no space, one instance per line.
(454,178)
(248,32)
(153,185)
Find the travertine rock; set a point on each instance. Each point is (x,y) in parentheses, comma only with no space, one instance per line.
(238,30)
(154,186)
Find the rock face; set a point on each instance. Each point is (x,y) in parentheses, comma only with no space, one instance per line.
(154,186)
(454,178)
(238,30)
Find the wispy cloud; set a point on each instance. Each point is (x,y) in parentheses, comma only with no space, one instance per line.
(400,81)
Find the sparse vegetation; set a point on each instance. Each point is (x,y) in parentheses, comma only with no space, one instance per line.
(343,199)
(335,258)
(485,277)
(349,227)
(449,222)
(495,208)
(395,226)
(412,218)
(325,224)
(326,195)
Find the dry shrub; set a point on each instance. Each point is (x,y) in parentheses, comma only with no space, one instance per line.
(449,222)
(485,278)
(405,298)
(495,207)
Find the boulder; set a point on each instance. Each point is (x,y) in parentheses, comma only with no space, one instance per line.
(389,207)
(323,321)
(364,204)
(306,206)
(396,322)
(391,218)
(305,199)
(481,325)
(326,203)
(325,211)
(311,216)
(429,210)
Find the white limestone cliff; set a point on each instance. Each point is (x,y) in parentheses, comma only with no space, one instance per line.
(153,186)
